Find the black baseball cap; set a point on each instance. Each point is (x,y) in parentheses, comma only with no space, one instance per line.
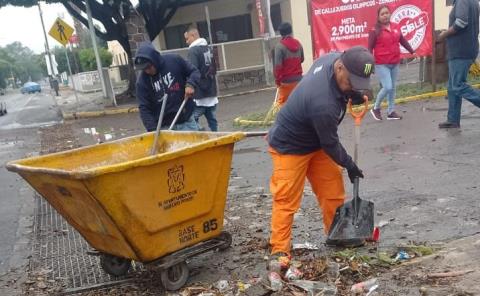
(141,63)
(361,64)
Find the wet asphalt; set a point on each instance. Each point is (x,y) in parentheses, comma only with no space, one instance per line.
(424,181)
(19,138)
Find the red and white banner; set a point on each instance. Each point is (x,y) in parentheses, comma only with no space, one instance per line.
(261,19)
(340,24)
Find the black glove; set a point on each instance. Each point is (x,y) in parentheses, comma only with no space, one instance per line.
(355,172)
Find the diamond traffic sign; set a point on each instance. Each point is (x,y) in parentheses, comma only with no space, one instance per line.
(61,31)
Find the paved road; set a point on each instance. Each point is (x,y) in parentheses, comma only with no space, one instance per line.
(29,110)
(19,138)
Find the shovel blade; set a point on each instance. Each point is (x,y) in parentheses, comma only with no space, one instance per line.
(346,226)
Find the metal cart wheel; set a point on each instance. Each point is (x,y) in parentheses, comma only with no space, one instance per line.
(174,277)
(114,265)
(227,238)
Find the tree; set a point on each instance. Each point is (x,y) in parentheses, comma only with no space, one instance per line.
(61,59)
(4,73)
(114,14)
(85,41)
(22,63)
(88,62)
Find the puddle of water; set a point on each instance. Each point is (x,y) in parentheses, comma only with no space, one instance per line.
(101,136)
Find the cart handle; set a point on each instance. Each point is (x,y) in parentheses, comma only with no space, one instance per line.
(358,116)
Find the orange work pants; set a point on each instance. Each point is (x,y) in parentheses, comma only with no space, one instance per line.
(287,184)
(283,91)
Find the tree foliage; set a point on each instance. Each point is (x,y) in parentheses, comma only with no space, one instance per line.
(73,56)
(88,62)
(20,62)
(113,16)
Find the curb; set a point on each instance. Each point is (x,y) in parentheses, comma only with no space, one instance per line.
(92,114)
(441,93)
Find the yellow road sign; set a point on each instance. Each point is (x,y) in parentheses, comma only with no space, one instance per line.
(61,31)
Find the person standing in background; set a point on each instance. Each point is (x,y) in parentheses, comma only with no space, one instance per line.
(462,48)
(384,42)
(206,99)
(287,63)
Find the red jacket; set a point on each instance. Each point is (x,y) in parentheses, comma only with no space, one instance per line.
(288,60)
(385,45)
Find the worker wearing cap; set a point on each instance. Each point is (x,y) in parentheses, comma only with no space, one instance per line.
(161,74)
(287,64)
(304,142)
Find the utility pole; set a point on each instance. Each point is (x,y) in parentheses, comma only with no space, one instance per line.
(46,40)
(91,29)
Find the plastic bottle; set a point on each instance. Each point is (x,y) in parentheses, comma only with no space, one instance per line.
(364,286)
(276,283)
(293,274)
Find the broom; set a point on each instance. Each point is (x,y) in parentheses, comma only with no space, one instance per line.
(272,112)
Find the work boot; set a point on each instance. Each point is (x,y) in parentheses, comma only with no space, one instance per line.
(377,115)
(447,124)
(393,116)
(278,262)
(345,243)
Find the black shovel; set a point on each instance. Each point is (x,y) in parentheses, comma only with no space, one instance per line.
(353,220)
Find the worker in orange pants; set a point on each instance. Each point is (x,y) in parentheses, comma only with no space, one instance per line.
(284,90)
(287,63)
(287,184)
(304,143)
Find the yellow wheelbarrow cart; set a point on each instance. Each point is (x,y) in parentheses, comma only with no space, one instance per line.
(130,205)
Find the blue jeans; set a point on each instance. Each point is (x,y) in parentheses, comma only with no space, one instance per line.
(387,74)
(458,88)
(209,113)
(189,125)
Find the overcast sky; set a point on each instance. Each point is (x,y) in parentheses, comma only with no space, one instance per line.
(23,24)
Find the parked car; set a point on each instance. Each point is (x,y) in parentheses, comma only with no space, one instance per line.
(30,87)
(3,108)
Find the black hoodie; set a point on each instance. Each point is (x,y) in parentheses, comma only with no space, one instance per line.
(173,74)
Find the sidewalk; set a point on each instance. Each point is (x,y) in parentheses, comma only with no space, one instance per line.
(93,104)
(87,102)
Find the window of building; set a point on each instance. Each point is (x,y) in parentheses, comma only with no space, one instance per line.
(276,15)
(174,37)
(228,29)
(449,2)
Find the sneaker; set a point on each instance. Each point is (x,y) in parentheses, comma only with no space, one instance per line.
(393,116)
(278,262)
(447,124)
(345,243)
(377,115)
